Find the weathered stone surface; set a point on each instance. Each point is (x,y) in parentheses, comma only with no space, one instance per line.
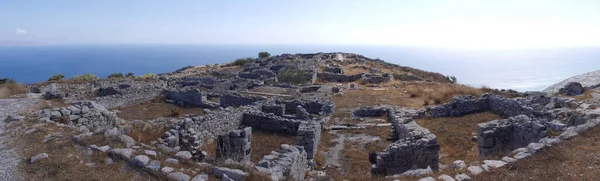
(308,136)
(38,157)
(459,164)
(475,170)
(166,170)
(140,160)
(427,179)
(154,165)
(230,173)
(462,177)
(289,162)
(494,163)
(184,155)
(121,153)
(235,145)
(201,177)
(178,176)
(572,89)
(445,177)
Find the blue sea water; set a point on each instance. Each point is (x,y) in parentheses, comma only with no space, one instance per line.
(516,69)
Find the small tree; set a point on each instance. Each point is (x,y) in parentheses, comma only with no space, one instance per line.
(56,77)
(129,75)
(452,79)
(115,76)
(85,77)
(264,55)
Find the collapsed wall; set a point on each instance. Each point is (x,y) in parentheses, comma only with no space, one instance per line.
(89,114)
(416,147)
(308,136)
(235,145)
(509,134)
(324,107)
(334,77)
(287,163)
(118,93)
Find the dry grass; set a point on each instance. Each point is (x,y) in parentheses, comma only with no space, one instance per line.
(440,93)
(147,133)
(153,110)
(356,165)
(587,95)
(255,175)
(454,135)
(263,143)
(575,159)
(61,166)
(8,90)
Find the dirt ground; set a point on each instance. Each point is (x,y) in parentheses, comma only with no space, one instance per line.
(153,110)
(575,159)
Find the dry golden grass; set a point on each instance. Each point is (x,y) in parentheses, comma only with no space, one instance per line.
(356,165)
(147,133)
(454,135)
(587,95)
(61,166)
(263,143)
(575,159)
(8,90)
(153,110)
(440,93)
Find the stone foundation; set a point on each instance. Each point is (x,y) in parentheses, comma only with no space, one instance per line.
(309,135)
(287,163)
(235,145)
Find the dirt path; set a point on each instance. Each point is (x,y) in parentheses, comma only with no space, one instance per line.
(9,157)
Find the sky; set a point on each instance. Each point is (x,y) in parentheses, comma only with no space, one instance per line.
(468,24)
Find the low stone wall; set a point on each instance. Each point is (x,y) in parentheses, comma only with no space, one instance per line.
(508,134)
(534,106)
(235,99)
(277,109)
(190,97)
(287,163)
(270,122)
(120,100)
(191,133)
(309,135)
(314,107)
(235,145)
(417,149)
(331,77)
(333,70)
(89,114)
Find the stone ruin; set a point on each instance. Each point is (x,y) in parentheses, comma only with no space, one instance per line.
(190,96)
(89,114)
(235,145)
(287,163)
(415,146)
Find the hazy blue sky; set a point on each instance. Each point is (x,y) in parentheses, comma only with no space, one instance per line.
(438,23)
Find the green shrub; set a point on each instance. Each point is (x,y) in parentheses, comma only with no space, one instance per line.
(294,76)
(264,55)
(130,75)
(56,77)
(241,61)
(115,76)
(84,77)
(7,81)
(147,76)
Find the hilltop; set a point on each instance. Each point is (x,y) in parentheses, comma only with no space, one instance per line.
(317,116)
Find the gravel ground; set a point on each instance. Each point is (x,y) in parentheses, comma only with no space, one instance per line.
(587,80)
(9,157)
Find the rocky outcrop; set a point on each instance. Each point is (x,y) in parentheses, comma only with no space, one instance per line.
(236,99)
(572,89)
(508,134)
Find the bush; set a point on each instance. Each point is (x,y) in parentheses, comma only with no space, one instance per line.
(147,76)
(129,75)
(264,55)
(7,81)
(241,61)
(84,77)
(293,76)
(176,112)
(56,77)
(115,75)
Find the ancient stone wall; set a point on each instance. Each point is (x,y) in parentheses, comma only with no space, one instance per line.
(308,136)
(332,77)
(287,163)
(277,109)
(191,133)
(508,134)
(190,97)
(120,100)
(235,99)
(89,114)
(269,122)
(235,145)
(313,107)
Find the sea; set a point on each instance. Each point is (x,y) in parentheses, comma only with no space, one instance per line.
(522,70)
